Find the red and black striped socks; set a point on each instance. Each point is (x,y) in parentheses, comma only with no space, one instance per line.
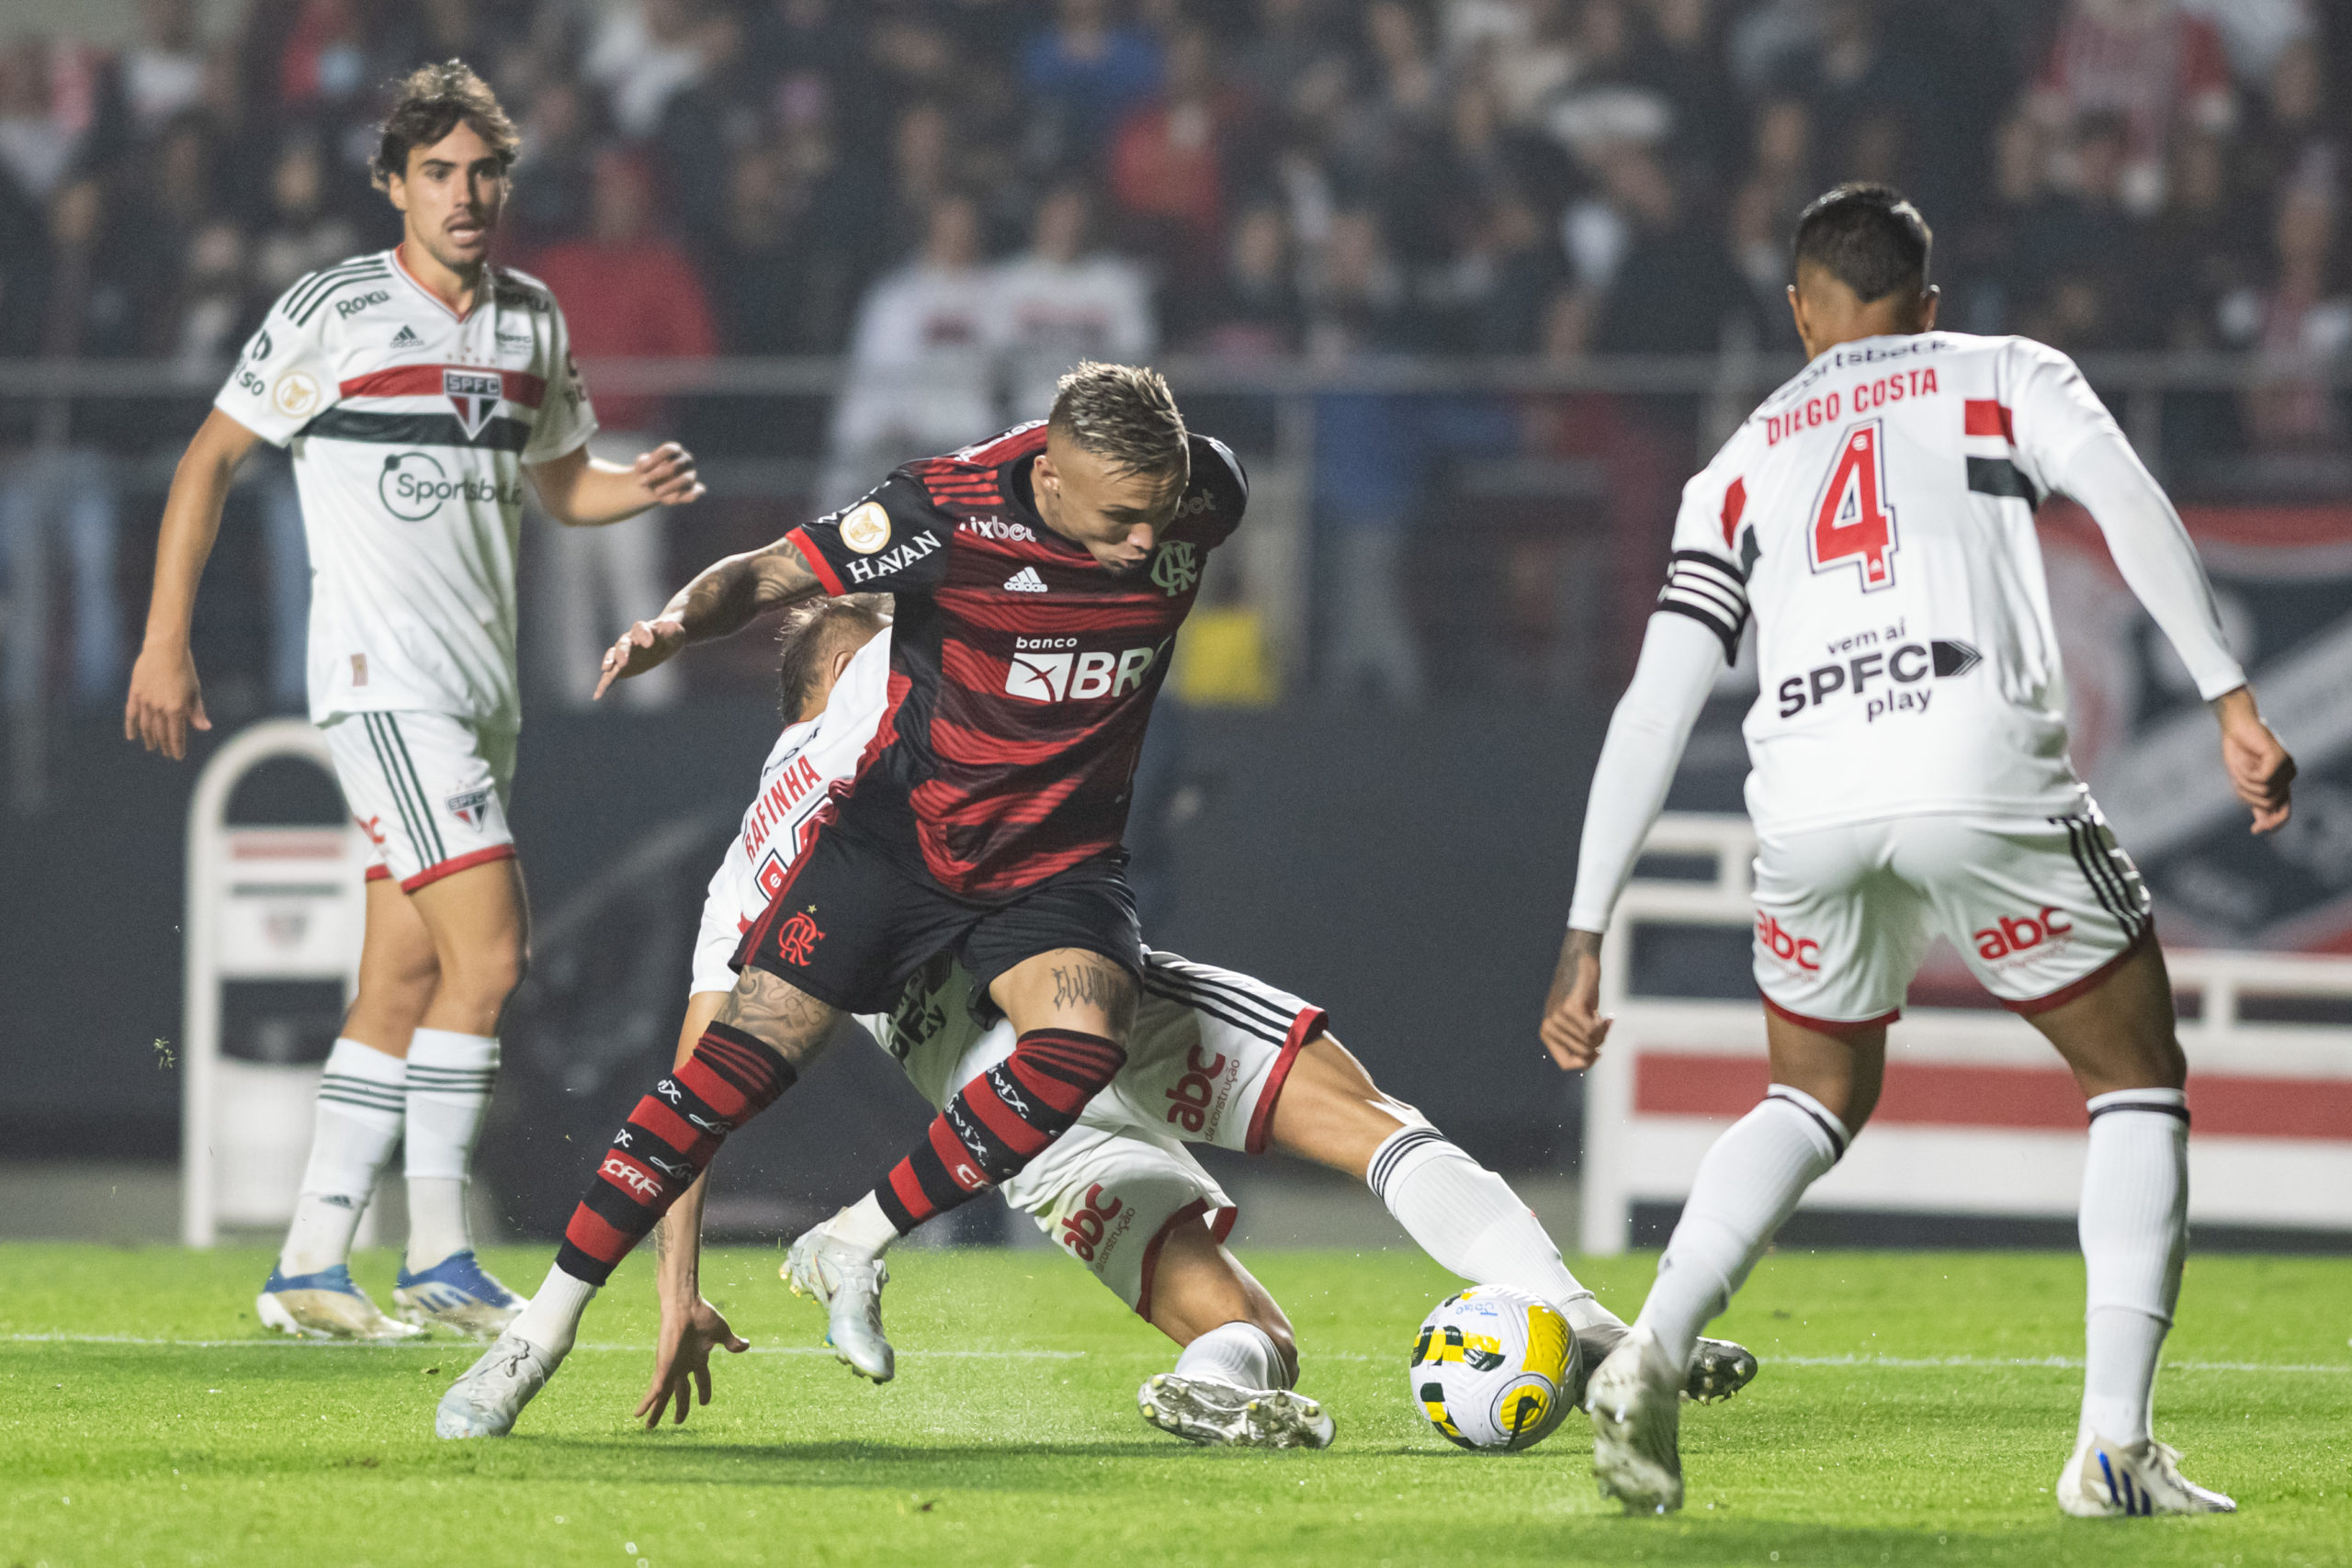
(999,1123)
(668,1141)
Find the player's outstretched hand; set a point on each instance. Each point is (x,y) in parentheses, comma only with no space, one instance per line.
(1572,1029)
(643,646)
(2260,769)
(682,1359)
(165,701)
(668,474)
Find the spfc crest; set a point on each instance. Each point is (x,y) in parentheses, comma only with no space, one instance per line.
(474,395)
(470,807)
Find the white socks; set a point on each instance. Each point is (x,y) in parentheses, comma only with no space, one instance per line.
(359,1114)
(1469,1220)
(2135,1229)
(864,1224)
(1747,1188)
(551,1320)
(449,1076)
(1237,1353)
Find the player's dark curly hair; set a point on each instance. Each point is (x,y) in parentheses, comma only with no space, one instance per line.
(428,103)
(1127,415)
(1869,238)
(813,632)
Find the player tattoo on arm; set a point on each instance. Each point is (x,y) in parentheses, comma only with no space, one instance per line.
(790,1021)
(725,597)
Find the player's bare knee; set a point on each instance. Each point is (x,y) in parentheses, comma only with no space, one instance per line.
(484,976)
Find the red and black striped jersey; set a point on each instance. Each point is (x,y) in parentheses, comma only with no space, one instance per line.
(1022,672)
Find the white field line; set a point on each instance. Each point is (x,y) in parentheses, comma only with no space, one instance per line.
(2056,1363)
(447,1344)
(2062,1363)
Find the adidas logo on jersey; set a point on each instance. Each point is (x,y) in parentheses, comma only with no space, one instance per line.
(1026,580)
(406,338)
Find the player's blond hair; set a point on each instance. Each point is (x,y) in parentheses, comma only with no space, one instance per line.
(1126,415)
(812,633)
(432,101)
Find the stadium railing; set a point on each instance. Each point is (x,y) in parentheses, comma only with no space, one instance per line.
(1980,1130)
(1528,567)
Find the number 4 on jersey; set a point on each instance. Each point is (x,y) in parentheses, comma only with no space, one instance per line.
(1853,521)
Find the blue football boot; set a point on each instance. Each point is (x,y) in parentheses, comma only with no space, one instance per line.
(457,1293)
(324,1305)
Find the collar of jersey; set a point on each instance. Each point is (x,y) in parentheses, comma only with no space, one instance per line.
(401,268)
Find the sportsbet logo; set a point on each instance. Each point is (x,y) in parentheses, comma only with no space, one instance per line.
(1051,669)
(412,485)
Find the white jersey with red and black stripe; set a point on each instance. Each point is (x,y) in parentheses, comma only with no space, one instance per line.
(807,760)
(409,426)
(1877,515)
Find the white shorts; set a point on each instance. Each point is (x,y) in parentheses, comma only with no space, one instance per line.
(724,921)
(429,789)
(1110,1197)
(1206,1061)
(2041,911)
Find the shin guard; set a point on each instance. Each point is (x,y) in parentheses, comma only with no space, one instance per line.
(999,1123)
(669,1140)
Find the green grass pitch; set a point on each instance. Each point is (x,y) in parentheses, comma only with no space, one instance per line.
(1913,1408)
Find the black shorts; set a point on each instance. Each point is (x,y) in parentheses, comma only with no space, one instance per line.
(850,925)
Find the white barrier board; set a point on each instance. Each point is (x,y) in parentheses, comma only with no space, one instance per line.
(1978,1115)
(264,903)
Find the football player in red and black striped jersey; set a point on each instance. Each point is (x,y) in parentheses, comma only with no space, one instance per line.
(1040,580)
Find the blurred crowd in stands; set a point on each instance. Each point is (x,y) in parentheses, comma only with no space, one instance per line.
(964,195)
(1239,176)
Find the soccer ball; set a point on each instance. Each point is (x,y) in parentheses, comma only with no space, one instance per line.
(1493,1367)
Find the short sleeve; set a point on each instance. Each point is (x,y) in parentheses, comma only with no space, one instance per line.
(566,418)
(891,542)
(1706,580)
(2052,411)
(283,380)
(1215,495)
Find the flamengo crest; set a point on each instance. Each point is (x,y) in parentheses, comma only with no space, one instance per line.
(1174,566)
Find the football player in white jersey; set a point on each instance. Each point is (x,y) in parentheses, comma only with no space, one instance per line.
(1215,1057)
(1910,777)
(415,389)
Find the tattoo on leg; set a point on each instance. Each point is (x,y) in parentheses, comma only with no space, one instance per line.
(791,1021)
(1096,986)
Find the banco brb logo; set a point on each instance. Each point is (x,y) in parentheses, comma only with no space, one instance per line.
(1050,670)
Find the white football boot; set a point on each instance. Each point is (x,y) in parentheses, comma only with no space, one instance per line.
(849,1280)
(1220,1415)
(1636,1403)
(485,1400)
(2113,1481)
(324,1305)
(1719,1368)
